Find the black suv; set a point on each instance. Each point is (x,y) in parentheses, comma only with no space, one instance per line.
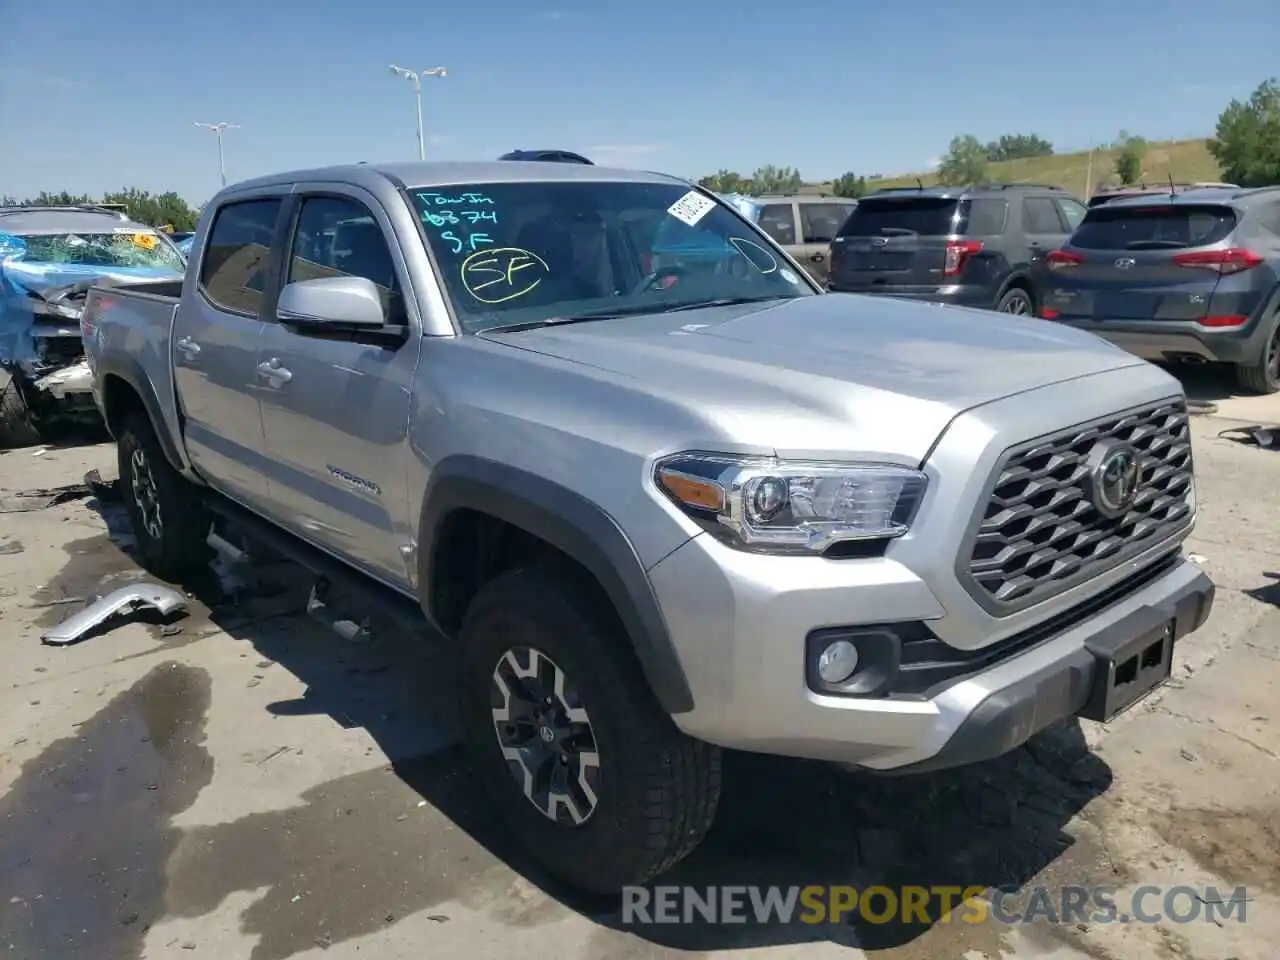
(1193,276)
(977,246)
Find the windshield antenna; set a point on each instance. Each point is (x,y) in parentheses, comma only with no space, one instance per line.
(920,184)
(1172,191)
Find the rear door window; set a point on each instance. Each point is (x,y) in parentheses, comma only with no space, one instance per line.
(986,218)
(1154,228)
(233,273)
(886,216)
(778,220)
(821,222)
(1040,215)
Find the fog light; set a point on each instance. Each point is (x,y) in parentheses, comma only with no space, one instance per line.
(837,663)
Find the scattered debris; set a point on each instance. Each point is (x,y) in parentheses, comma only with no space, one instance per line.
(1265,438)
(272,755)
(171,630)
(438,918)
(9,548)
(27,501)
(1195,558)
(104,490)
(1201,407)
(122,601)
(1186,754)
(324,941)
(296,897)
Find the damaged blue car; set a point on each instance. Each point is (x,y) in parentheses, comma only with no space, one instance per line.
(49,257)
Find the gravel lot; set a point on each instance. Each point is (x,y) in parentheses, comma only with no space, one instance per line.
(253,787)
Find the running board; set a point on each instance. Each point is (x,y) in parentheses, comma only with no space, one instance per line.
(328,569)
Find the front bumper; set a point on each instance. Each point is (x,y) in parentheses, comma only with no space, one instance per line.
(740,621)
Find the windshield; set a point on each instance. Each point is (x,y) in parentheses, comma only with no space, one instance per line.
(528,251)
(123,248)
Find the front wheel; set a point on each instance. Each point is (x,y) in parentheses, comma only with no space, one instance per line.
(170,523)
(576,755)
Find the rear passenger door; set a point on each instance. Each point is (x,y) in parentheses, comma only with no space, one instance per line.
(335,407)
(819,225)
(215,347)
(1043,227)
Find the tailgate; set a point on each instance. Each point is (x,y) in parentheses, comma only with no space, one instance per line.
(1132,263)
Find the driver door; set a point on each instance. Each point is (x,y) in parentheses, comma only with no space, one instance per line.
(335,406)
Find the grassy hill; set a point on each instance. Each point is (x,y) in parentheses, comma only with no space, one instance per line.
(1184,160)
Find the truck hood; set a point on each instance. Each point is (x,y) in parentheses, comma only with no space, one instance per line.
(830,374)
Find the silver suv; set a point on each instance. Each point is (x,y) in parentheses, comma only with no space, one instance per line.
(665,495)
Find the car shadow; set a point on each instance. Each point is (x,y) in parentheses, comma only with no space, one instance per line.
(781,822)
(1208,383)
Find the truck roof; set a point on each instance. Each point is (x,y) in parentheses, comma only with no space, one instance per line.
(428,174)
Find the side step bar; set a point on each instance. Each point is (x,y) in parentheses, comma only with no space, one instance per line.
(327,569)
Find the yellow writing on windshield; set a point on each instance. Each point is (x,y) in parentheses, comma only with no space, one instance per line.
(147,241)
(499,274)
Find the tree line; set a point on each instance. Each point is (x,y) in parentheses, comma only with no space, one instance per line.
(154,209)
(1246,144)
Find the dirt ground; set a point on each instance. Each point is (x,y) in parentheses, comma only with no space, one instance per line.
(243,784)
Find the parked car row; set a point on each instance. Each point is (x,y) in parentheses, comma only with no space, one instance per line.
(1183,274)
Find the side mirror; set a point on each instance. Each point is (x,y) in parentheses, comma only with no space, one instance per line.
(336,302)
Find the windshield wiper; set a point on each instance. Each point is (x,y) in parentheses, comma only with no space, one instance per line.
(1155,245)
(613,313)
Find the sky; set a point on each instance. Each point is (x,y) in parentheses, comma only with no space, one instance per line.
(96,95)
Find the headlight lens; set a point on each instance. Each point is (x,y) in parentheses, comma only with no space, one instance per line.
(787,506)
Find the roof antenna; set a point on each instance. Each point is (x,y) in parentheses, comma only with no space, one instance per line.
(920,184)
(1172,190)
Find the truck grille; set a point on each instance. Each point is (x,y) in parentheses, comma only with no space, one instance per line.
(1041,532)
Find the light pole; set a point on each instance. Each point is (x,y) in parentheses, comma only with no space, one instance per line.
(217,129)
(416,77)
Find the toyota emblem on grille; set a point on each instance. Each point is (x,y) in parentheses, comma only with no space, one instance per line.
(1113,477)
(1124,263)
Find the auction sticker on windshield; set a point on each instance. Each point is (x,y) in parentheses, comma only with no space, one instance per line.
(691,208)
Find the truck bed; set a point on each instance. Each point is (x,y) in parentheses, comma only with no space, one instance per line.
(126,329)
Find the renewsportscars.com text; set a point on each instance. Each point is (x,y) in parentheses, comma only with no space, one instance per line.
(928,905)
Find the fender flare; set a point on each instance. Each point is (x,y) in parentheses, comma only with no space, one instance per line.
(575,526)
(1023,275)
(129,369)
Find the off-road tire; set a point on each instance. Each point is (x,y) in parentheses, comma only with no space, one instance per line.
(658,787)
(1263,375)
(181,546)
(16,428)
(1015,295)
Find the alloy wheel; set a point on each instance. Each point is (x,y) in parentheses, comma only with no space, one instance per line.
(545,735)
(145,495)
(1019,306)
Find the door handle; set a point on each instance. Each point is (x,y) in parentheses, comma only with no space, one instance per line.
(818,257)
(272,370)
(188,348)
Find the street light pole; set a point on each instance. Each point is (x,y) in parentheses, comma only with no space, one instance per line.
(217,129)
(415,76)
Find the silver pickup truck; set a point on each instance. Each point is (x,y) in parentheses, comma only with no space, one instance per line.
(667,497)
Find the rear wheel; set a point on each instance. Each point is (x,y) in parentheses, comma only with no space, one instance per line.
(16,428)
(1263,375)
(577,757)
(1016,301)
(169,520)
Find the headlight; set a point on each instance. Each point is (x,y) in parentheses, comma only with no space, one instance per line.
(782,506)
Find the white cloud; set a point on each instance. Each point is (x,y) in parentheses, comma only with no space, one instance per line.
(932,163)
(622,154)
